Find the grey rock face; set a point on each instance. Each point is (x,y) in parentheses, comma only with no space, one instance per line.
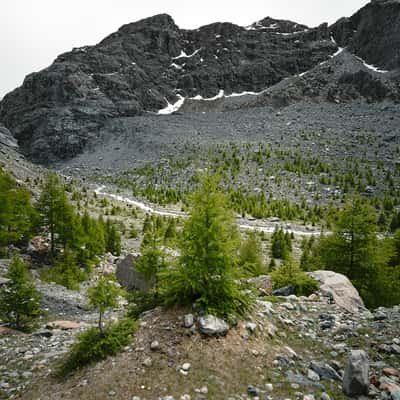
(213,326)
(373,33)
(355,380)
(60,111)
(129,277)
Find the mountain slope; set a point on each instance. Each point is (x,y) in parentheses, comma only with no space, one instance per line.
(146,65)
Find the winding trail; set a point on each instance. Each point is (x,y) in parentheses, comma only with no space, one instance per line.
(245,224)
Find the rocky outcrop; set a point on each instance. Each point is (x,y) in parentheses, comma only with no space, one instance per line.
(128,277)
(373,33)
(6,138)
(59,111)
(340,289)
(145,66)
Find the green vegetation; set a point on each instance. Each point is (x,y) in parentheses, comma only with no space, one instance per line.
(140,301)
(152,260)
(92,345)
(354,250)
(266,180)
(102,296)
(98,343)
(18,218)
(250,256)
(281,246)
(290,274)
(207,271)
(65,271)
(75,241)
(19,299)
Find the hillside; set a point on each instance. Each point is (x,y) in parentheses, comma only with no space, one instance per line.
(90,94)
(206,214)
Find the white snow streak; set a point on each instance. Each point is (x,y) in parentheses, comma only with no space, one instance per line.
(171,108)
(184,55)
(372,67)
(340,50)
(176,66)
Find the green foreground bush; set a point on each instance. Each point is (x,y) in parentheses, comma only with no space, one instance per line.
(92,345)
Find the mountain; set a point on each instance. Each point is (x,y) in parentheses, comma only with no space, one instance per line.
(152,64)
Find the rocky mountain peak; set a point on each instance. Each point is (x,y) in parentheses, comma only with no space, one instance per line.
(159,21)
(278,25)
(148,65)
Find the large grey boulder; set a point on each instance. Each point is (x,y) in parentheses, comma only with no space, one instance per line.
(213,326)
(129,278)
(355,379)
(340,289)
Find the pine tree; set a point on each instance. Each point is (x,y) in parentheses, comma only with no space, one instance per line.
(53,207)
(354,250)
(19,299)
(350,249)
(102,296)
(250,255)
(207,269)
(67,271)
(152,259)
(170,232)
(18,218)
(112,238)
(281,244)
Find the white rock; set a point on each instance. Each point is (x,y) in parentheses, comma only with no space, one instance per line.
(147,362)
(213,326)
(155,345)
(340,289)
(188,320)
(186,366)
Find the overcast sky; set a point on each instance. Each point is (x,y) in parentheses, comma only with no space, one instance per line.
(34,32)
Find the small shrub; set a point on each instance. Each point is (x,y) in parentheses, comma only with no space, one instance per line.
(139,302)
(65,272)
(19,299)
(93,345)
(291,274)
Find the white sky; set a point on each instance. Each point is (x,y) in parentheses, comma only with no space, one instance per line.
(34,32)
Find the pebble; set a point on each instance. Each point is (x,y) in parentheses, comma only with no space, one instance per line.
(155,345)
(147,362)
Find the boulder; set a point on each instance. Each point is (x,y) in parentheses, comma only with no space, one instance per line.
(340,289)
(284,291)
(213,326)
(129,278)
(65,325)
(263,283)
(324,371)
(355,379)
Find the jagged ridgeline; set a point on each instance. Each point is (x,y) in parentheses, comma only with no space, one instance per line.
(152,64)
